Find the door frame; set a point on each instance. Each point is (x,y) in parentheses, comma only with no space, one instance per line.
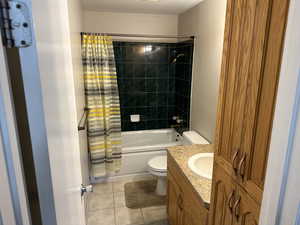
(26,132)
(14,207)
(284,124)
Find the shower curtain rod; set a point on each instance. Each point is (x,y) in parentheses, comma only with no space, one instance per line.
(140,35)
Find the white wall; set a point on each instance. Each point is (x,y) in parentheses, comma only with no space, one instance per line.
(75,19)
(129,23)
(280,206)
(206,21)
(57,55)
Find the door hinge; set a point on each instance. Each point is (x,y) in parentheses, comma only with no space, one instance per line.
(15,24)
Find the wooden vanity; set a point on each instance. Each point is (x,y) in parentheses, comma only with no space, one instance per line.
(188,194)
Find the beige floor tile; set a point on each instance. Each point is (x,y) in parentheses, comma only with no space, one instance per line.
(103,188)
(101,217)
(155,213)
(119,199)
(100,201)
(118,186)
(125,216)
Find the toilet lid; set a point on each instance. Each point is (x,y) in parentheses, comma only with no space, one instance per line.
(158,163)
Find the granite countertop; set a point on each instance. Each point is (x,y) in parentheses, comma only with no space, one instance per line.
(181,154)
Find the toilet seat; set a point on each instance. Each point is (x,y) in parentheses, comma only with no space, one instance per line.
(158,164)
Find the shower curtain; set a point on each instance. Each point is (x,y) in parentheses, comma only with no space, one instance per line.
(102,101)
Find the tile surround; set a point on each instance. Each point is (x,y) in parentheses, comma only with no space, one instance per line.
(150,85)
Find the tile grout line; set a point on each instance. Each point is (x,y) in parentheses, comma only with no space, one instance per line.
(144,222)
(114,203)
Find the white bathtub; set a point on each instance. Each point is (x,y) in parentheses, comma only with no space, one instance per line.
(140,146)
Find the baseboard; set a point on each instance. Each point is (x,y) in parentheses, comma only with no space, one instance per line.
(118,178)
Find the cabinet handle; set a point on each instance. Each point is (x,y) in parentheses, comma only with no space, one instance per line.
(234,158)
(241,168)
(179,202)
(230,200)
(236,208)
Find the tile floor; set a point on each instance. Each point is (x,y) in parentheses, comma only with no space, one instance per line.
(106,206)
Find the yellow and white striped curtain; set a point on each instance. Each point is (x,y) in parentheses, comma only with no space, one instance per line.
(102,101)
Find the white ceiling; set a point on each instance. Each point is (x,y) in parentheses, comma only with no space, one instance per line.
(140,6)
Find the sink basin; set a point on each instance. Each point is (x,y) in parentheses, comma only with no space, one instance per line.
(202,164)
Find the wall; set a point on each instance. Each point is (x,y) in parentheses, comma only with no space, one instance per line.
(152,85)
(146,84)
(129,23)
(281,205)
(75,20)
(206,21)
(183,78)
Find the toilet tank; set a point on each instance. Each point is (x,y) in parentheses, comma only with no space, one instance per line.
(192,138)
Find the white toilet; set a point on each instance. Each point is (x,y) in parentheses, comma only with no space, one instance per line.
(157,166)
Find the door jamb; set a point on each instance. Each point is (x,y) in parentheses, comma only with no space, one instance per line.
(286,113)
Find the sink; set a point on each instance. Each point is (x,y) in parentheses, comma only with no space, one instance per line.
(202,164)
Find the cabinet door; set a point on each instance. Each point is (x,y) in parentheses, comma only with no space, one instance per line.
(245,210)
(260,63)
(194,212)
(254,34)
(174,203)
(222,200)
(224,152)
(192,219)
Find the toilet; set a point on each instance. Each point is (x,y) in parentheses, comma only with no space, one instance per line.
(157,166)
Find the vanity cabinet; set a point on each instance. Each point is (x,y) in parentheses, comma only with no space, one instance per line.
(232,205)
(184,206)
(253,40)
(223,199)
(175,200)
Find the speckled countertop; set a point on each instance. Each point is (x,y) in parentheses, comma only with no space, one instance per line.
(181,154)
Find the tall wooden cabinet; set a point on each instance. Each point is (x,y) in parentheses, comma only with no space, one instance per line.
(254,34)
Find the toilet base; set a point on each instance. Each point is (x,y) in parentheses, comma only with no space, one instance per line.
(161,186)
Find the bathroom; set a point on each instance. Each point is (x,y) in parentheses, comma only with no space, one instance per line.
(155,112)
(156,58)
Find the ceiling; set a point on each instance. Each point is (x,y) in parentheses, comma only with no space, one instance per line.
(140,6)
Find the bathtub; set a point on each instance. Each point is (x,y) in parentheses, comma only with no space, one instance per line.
(140,146)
